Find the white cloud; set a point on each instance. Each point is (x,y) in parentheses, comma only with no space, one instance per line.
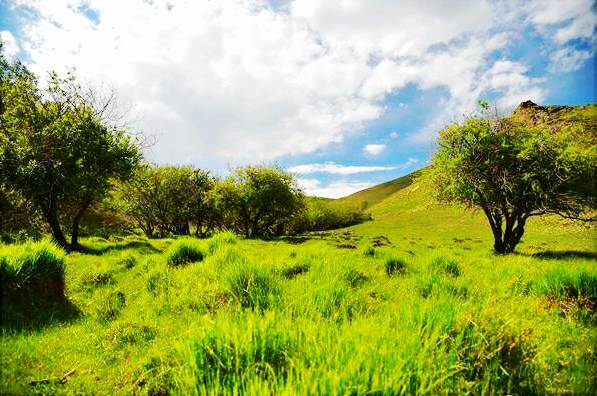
(11,48)
(374,149)
(568,59)
(337,169)
(337,189)
(237,81)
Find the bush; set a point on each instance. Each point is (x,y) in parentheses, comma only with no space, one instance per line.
(252,286)
(394,265)
(220,239)
(322,215)
(446,265)
(33,273)
(184,251)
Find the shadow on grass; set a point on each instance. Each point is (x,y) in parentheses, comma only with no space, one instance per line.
(565,255)
(27,317)
(141,246)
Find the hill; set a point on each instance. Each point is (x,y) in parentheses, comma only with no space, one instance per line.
(373,195)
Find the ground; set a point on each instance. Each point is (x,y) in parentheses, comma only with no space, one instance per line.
(411,302)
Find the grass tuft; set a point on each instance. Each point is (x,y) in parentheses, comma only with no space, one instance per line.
(184,251)
(221,239)
(395,265)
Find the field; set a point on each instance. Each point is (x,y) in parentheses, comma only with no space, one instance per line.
(413,302)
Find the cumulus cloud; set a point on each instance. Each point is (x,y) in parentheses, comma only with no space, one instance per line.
(337,189)
(9,42)
(337,169)
(568,59)
(374,149)
(241,80)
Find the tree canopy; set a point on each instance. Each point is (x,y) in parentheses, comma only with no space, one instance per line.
(514,170)
(56,149)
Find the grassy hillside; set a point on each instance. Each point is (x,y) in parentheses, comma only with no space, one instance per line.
(412,302)
(373,195)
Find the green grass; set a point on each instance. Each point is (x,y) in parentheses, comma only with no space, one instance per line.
(270,317)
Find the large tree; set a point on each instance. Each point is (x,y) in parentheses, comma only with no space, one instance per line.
(56,147)
(169,199)
(514,169)
(259,201)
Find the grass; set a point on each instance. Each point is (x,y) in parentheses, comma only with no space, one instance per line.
(270,317)
(184,251)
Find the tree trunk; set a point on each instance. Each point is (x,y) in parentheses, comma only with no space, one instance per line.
(74,239)
(52,220)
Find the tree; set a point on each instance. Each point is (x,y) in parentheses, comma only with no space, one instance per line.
(259,201)
(56,150)
(169,199)
(514,170)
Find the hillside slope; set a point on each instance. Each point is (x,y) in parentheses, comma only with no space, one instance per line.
(373,195)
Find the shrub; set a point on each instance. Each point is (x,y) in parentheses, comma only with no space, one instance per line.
(184,251)
(446,265)
(220,239)
(252,286)
(394,265)
(33,273)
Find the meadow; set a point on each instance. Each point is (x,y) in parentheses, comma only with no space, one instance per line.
(412,302)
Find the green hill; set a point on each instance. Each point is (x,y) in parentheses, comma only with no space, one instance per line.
(373,195)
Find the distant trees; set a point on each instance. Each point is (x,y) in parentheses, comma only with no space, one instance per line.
(56,149)
(259,201)
(256,201)
(513,170)
(167,199)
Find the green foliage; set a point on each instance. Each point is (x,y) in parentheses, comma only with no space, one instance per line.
(323,214)
(259,201)
(184,251)
(514,170)
(168,199)
(56,150)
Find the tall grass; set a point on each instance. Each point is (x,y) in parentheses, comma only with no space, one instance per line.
(184,251)
(33,273)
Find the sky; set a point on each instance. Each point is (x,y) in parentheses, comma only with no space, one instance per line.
(344,94)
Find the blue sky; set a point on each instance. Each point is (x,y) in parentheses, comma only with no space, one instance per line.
(344,94)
